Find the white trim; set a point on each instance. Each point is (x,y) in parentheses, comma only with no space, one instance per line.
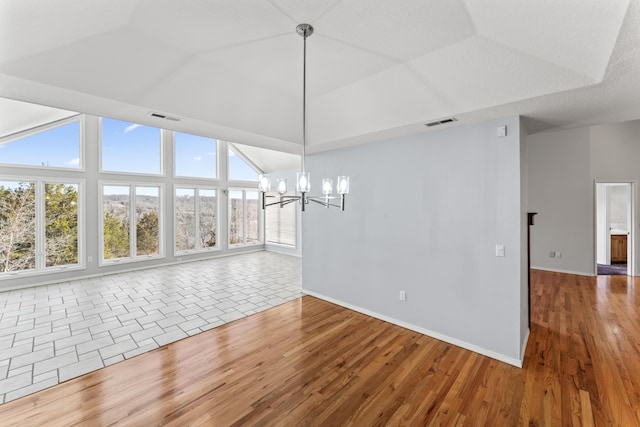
(174,146)
(40,225)
(101,170)
(231,146)
(558,270)
(427,332)
(80,118)
(131,185)
(41,128)
(244,243)
(523,350)
(196,213)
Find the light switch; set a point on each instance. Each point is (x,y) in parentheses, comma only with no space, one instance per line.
(502,131)
(500,250)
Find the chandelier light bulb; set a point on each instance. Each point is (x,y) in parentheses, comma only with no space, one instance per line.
(264,183)
(304,182)
(327,186)
(343,185)
(282,186)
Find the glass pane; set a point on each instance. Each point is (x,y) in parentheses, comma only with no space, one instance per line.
(239,170)
(147,214)
(129,147)
(185,218)
(236,215)
(115,208)
(280,224)
(17,226)
(253,232)
(61,224)
(207,220)
(58,147)
(195,156)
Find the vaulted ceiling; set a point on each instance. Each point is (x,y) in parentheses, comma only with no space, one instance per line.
(376,68)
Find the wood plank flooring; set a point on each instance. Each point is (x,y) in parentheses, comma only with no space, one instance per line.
(309,362)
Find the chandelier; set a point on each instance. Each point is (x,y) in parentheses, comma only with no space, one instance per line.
(303,178)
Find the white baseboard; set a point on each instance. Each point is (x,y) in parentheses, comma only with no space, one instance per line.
(432,334)
(557,270)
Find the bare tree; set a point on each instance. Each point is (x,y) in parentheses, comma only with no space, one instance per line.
(17,228)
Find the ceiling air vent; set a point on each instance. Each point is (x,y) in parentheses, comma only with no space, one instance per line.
(441,122)
(165,117)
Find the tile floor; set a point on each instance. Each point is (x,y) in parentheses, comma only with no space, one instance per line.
(53,333)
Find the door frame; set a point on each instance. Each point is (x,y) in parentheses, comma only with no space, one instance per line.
(631,238)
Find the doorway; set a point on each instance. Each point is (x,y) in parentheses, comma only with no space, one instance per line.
(614,231)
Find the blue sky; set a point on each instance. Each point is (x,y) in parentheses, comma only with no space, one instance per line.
(57,147)
(126,147)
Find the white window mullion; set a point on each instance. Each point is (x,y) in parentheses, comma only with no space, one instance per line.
(244,216)
(196,220)
(132,221)
(40,227)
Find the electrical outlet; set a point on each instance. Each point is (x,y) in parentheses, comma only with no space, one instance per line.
(500,250)
(89,259)
(558,254)
(552,254)
(403,296)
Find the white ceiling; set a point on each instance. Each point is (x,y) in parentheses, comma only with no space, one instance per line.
(376,68)
(18,116)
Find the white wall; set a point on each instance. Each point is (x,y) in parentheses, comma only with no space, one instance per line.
(615,157)
(524,225)
(561,192)
(563,167)
(424,216)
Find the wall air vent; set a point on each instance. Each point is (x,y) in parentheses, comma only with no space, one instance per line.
(165,117)
(441,122)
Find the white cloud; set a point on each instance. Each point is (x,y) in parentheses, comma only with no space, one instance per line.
(73,162)
(197,158)
(131,127)
(211,153)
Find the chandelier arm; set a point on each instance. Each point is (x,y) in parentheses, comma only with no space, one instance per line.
(282,202)
(322,201)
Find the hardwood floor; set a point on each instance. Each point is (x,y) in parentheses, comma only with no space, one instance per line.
(309,362)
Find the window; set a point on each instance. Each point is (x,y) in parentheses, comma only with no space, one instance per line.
(196,212)
(61,224)
(280,224)
(147,214)
(54,145)
(17,226)
(239,169)
(123,238)
(130,147)
(39,225)
(244,224)
(196,156)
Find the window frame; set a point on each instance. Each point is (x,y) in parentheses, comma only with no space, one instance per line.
(241,183)
(216,178)
(40,226)
(163,137)
(80,118)
(295,225)
(244,219)
(196,249)
(132,258)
